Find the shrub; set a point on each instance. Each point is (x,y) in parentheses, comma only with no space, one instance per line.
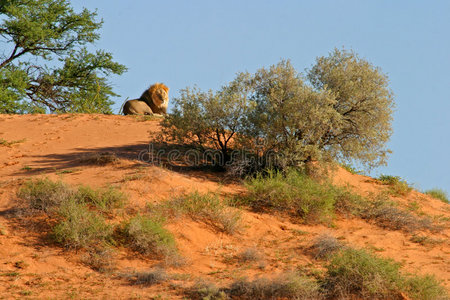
(438,194)
(205,207)
(79,227)
(152,277)
(100,258)
(103,199)
(398,186)
(345,112)
(387,215)
(44,194)
(425,288)
(249,255)
(357,272)
(148,236)
(286,286)
(292,192)
(206,291)
(325,245)
(103,158)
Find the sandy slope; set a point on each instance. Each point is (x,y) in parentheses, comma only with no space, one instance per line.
(57,147)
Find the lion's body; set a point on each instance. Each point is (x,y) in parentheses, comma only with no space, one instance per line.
(156,98)
(136,107)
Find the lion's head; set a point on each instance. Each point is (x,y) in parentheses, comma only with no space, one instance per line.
(157,97)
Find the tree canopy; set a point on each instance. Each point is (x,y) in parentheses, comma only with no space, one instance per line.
(341,109)
(46,65)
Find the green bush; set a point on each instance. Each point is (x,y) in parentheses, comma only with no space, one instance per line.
(79,227)
(148,236)
(44,194)
(208,208)
(438,194)
(397,186)
(359,273)
(103,199)
(286,286)
(292,192)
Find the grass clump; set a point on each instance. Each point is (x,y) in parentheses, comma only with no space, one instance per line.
(351,169)
(286,286)
(102,199)
(148,236)
(249,255)
(44,194)
(206,291)
(293,192)
(325,245)
(99,258)
(438,194)
(397,186)
(387,215)
(149,278)
(208,208)
(359,273)
(7,143)
(80,227)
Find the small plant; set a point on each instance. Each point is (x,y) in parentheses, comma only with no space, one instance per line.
(44,194)
(351,169)
(293,192)
(286,286)
(79,227)
(438,194)
(387,215)
(206,291)
(424,288)
(325,245)
(148,236)
(398,186)
(27,168)
(152,277)
(205,207)
(424,240)
(6,143)
(103,199)
(357,272)
(99,258)
(249,255)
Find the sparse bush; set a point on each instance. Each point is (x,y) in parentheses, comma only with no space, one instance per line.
(351,169)
(208,208)
(425,288)
(347,202)
(249,255)
(387,215)
(44,194)
(79,227)
(103,199)
(286,286)
(357,272)
(206,291)
(292,192)
(148,236)
(100,258)
(325,245)
(438,194)
(152,277)
(397,186)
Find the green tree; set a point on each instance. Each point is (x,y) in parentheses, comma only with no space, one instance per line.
(46,64)
(364,103)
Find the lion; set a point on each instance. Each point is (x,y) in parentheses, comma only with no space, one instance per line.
(152,101)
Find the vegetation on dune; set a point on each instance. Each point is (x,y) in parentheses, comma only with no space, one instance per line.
(46,65)
(208,208)
(397,186)
(438,194)
(342,110)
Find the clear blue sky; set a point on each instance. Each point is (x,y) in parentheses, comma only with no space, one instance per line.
(182,43)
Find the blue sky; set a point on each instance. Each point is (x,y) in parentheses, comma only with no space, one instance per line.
(182,43)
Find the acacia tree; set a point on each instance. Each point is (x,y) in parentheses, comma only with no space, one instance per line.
(364,102)
(46,65)
(343,112)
